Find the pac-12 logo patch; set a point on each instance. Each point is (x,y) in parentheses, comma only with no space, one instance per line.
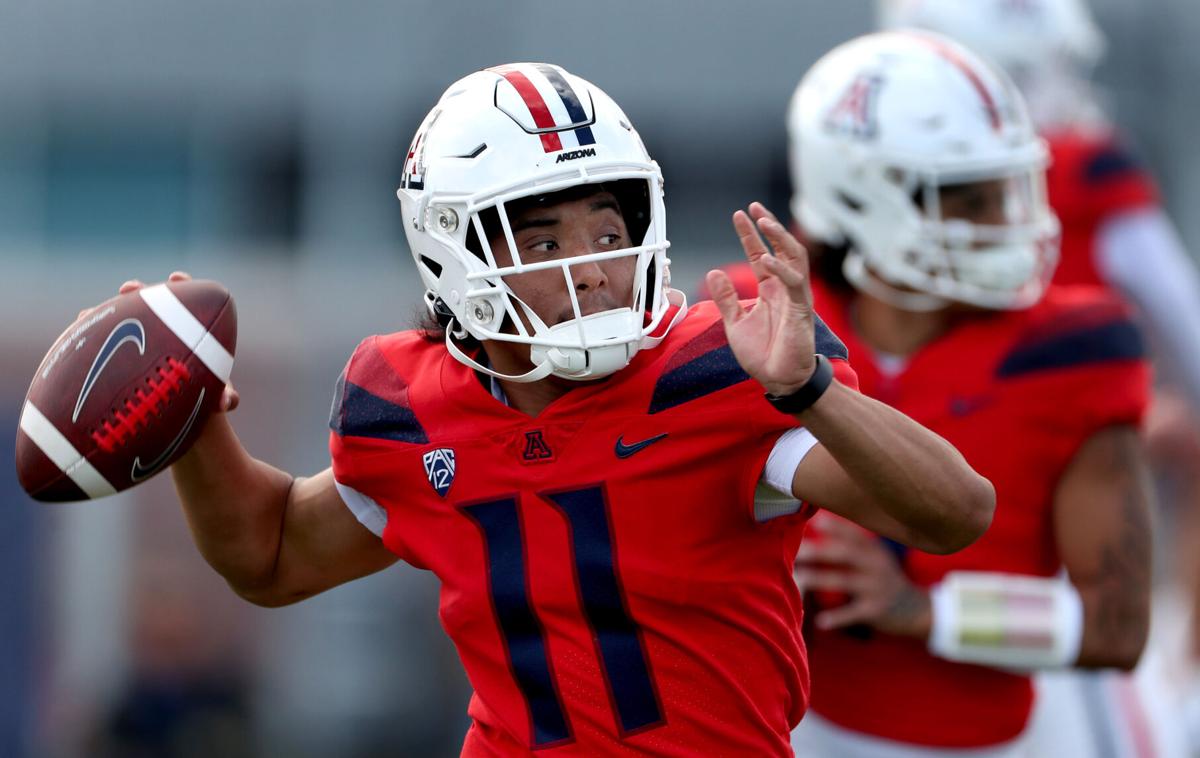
(439,467)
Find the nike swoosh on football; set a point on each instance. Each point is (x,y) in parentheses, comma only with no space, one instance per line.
(139,472)
(624,451)
(129,330)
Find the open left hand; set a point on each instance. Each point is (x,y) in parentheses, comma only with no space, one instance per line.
(846,558)
(773,340)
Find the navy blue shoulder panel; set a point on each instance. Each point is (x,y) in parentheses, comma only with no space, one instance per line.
(716,368)
(828,344)
(358,413)
(1098,343)
(1112,162)
(706,373)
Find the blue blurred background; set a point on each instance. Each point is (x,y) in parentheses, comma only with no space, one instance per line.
(259,143)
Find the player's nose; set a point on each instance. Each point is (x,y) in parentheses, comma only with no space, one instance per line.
(588,277)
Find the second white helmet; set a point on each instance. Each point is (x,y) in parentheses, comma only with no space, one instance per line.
(878,129)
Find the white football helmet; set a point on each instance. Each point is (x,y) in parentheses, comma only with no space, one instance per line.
(519,131)
(1048,47)
(878,129)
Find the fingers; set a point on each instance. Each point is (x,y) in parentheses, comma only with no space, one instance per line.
(785,245)
(747,234)
(721,288)
(791,276)
(793,272)
(132,285)
(854,612)
(828,580)
(229,399)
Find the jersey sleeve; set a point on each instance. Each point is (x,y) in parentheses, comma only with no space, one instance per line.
(371,421)
(1098,178)
(1084,370)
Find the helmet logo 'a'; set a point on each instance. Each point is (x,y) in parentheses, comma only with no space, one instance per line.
(854,113)
(414,162)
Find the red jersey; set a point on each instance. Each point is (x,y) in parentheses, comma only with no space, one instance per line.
(1091,178)
(602,573)
(1017,393)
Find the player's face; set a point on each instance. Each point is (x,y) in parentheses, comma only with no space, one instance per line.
(977,202)
(567,230)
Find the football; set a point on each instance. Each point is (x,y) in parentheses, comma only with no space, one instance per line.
(124,390)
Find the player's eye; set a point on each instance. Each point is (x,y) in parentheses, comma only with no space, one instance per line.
(544,247)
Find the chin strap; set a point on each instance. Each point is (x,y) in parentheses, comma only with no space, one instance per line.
(855,270)
(540,371)
(552,358)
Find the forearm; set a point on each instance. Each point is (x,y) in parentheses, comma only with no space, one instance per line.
(1103,532)
(914,476)
(1115,628)
(235,506)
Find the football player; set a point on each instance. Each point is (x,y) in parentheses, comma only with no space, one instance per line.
(920,183)
(574,453)
(1116,234)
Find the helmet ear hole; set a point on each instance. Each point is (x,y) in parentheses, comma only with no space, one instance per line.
(851,203)
(490,218)
(434,267)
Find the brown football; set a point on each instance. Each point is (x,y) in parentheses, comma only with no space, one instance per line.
(124,391)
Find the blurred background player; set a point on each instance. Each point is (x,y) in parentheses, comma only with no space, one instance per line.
(920,184)
(1114,234)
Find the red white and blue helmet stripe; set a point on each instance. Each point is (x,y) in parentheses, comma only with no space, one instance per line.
(560,118)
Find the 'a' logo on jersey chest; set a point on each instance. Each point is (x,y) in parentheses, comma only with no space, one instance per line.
(535,449)
(439,467)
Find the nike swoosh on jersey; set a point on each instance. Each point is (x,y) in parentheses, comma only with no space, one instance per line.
(624,451)
(140,472)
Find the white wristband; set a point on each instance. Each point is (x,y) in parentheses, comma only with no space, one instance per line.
(1006,620)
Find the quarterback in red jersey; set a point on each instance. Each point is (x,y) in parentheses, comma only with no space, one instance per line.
(917,169)
(574,453)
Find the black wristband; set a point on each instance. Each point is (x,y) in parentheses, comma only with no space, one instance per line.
(809,392)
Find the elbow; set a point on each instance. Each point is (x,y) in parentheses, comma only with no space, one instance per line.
(266,594)
(969,516)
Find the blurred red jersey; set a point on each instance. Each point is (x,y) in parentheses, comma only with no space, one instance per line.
(1017,393)
(602,573)
(1091,178)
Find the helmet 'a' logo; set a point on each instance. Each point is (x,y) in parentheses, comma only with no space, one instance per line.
(439,467)
(414,162)
(854,114)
